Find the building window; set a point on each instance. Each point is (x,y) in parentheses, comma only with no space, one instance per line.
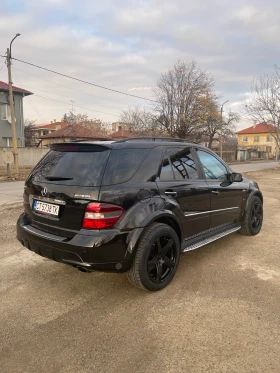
(245,138)
(269,138)
(7,142)
(256,138)
(5,112)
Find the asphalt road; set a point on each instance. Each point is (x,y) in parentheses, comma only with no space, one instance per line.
(12,191)
(248,167)
(220,313)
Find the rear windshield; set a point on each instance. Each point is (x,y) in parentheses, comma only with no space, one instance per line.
(123,164)
(72,168)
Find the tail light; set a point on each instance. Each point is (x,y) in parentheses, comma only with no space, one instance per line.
(101,215)
(25,203)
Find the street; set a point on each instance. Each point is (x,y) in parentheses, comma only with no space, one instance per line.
(220,313)
(254,166)
(12,191)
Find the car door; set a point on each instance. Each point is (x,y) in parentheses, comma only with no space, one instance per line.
(226,196)
(182,181)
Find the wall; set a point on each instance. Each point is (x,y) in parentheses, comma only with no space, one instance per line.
(228,155)
(28,158)
(5,126)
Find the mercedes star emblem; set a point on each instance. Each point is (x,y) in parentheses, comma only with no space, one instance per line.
(44,191)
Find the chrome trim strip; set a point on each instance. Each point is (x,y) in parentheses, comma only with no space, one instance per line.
(47,199)
(209,211)
(37,233)
(73,262)
(211,239)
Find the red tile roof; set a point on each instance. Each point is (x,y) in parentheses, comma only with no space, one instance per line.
(122,134)
(50,126)
(74,131)
(5,87)
(259,128)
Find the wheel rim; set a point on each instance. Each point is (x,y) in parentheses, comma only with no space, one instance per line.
(162,259)
(256,216)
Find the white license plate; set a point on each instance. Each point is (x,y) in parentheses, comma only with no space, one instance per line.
(46,208)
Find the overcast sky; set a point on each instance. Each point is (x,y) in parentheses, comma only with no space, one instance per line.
(126,45)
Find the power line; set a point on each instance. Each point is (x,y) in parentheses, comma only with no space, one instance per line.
(2,65)
(53,99)
(83,81)
(68,87)
(29,100)
(81,107)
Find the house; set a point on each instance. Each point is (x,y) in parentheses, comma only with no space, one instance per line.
(70,133)
(122,134)
(118,126)
(256,142)
(44,129)
(5,115)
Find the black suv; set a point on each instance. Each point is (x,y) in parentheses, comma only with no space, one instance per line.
(133,205)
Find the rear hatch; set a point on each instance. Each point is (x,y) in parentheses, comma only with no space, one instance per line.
(62,184)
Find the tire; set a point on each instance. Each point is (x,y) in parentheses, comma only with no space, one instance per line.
(156,259)
(253,218)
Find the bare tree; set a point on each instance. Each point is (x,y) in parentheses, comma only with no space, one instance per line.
(141,121)
(212,123)
(230,142)
(180,94)
(96,125)
(28,132)
(264,102)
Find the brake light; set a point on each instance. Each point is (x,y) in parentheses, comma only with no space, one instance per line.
(101,215)
(25,204)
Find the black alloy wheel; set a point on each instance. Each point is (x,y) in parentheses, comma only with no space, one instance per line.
(156,258)
(251,223)
(162,259)
(256,216)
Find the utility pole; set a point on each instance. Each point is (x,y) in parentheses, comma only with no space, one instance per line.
(11,100)
(221,132)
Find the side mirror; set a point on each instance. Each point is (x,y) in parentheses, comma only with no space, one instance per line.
(236,177)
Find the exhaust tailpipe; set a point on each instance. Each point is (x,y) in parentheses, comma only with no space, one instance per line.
(82,269)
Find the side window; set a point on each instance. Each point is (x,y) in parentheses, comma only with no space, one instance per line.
(212,167)
(178,164)
(5,111)
(123,164)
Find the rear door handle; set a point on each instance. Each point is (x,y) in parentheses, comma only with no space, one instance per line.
(170,193)
(216,192)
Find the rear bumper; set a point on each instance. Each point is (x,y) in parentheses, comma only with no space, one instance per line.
(88,250)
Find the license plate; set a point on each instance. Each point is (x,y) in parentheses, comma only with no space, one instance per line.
(46,208)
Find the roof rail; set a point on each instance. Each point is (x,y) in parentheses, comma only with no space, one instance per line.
(152,138)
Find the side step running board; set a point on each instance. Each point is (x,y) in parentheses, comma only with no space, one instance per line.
(211,239)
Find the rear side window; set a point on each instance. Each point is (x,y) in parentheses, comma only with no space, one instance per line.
(72,168)
(123,164)
(178,164)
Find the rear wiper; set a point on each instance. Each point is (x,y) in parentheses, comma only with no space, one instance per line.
(57,178)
